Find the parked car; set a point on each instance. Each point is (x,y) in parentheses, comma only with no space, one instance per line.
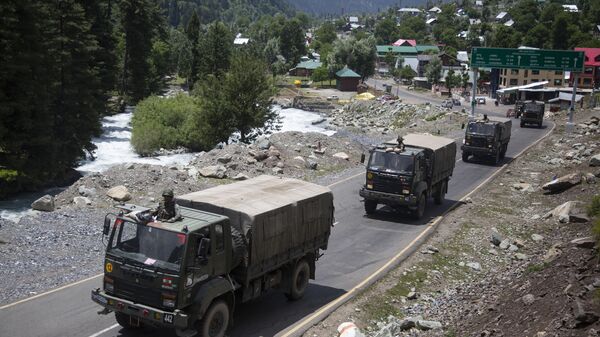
(447,103)
(480,100)
(333,98)
(456,101)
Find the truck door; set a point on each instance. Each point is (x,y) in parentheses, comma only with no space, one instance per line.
(219,255)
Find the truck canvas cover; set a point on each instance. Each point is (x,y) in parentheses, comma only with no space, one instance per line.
(280,217)
(441,151)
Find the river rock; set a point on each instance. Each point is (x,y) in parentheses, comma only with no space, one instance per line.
(86,192)
(496,238)
(240,176)
(563,183)
(214,171)
(474,265)
(81,201)
(224,159)
(505,244)
(311,164)
(45,204)
(119,193)
(595,160)
(263,143)
(342,155)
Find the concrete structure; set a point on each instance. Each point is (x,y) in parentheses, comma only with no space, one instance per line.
(502,17)
(347,80)
(518,77)
(570,8)
(563,101)
(590,78)
(409,11)
(435,9)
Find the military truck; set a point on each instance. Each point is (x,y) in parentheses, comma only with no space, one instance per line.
(532,113)
(234,243)
(486,137)
(405,172)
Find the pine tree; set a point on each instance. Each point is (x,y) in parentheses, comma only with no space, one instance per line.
(192,32)
(216,46)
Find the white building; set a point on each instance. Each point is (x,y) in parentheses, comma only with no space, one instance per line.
(570,8)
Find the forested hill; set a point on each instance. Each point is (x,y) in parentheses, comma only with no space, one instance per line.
(351,6)
(241,12)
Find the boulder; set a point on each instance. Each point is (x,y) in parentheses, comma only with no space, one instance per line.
(428,325)
(300,159)
(263,143)
(595,160)
(536,237)
(45,204)
(474,265)
(341,155)
(119,193)
(81,201)
(496,238)
(505,244)
(590,178)
(528,299)
(240,176)
(214,171)
(311,164)
(349,329)
(565,213)
(563,183)
(552,254)
(586,242)
(193,172)
(224,159)
(583,317)
(277,170)
(520,256)
(87,192)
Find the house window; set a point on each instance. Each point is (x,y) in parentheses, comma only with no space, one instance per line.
(558,83)
(524,82)
(534,80)
(514,81)
(504,71)
(587,81)
(514,71)
(504,81)
(526,73)
(558,72)
(535,72)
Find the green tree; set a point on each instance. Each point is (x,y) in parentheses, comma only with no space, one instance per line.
(506,37)
(525,15)
(326,33)
(407,73)
(320,74)
(386,31)
(451,81)
(291,41)
(359,56)
(216,46)
(560,35)
(537,37)
(192,32)
(181,53)
(433,71)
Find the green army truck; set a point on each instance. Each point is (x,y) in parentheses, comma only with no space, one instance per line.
(532,113)
(487,137)
(404,173)
(234,243)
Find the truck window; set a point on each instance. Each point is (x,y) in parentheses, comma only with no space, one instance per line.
(392,162)
(481,128)
(219,239)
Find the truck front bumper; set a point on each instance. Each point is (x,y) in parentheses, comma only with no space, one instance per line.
(145,314)
(391,199)
(479,151)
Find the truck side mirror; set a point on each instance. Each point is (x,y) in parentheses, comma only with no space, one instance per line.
(203,249)
(106,227)
(362,158)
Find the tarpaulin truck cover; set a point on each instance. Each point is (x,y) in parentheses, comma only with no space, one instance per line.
(442,152)
(280,217)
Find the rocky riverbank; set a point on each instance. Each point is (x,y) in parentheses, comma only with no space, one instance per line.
(518,258)
(44,250)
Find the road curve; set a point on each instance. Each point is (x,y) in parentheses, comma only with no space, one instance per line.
(359,246)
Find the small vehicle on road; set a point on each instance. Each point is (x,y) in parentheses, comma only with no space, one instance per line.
(480,100)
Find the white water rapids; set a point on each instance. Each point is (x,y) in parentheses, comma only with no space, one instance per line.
(114,147)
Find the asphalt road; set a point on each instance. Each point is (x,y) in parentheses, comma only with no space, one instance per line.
(359,245)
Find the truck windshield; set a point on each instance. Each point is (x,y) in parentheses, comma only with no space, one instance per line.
(530,107)
(481,129)
(391,162)
(148,245)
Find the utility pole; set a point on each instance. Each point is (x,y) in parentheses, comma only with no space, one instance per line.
(473,101)
(569,128)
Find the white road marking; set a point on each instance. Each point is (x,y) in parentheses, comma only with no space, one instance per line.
(105,330)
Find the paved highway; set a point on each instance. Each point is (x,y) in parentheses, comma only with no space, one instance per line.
(359,246)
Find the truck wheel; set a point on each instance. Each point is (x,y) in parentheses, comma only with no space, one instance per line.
(497,157)
(124,321)
(539,125)
(522,124)
(503,152)
(299,281)
(418,213)
(215,320)
(370,206)
(465,157)
(439,196)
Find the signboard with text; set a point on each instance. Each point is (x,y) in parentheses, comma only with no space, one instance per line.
(539,59)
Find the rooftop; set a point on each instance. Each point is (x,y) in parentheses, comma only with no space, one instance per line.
(310,64)
(347,73)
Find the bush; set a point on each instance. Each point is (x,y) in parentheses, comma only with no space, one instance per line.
(162,123)
(594,208)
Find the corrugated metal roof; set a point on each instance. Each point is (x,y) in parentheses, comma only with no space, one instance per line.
(425,140)
(346,72)
(424,47)
(257,195)
(310,64)
(396,49)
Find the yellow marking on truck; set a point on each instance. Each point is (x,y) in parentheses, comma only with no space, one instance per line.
(109,267)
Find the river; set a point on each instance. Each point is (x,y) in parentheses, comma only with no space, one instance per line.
(114,147)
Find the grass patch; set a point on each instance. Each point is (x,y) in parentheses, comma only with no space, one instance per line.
(435,117)
(594,207)
(534,268)
(379,310)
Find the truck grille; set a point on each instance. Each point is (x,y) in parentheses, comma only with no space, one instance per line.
(387,184)
(137,294)
(478,142)
(532,115)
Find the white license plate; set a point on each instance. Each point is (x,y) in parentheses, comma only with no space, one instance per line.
(168,318)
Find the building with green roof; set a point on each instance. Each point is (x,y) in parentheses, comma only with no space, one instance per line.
(347,80)
(305,68)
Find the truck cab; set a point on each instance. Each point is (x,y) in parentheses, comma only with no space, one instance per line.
(486,137)
(153,270)
(532,113)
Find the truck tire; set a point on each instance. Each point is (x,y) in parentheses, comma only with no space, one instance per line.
(539,125)
(370,206)
(439,195)
(124,321)
(299,280)
(215,320)
(503,152)
(497,157)
(522,124)
(418,213)
(465,157)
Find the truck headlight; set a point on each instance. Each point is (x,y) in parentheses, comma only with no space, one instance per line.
(168,300)
(189,280)
(464,141)
(490,146)
(109,284)
(369,186)
(405,191)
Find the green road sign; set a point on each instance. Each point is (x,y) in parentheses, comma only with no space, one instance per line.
(542,59)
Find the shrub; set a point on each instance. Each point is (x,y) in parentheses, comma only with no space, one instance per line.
(594,207)
(161,123)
